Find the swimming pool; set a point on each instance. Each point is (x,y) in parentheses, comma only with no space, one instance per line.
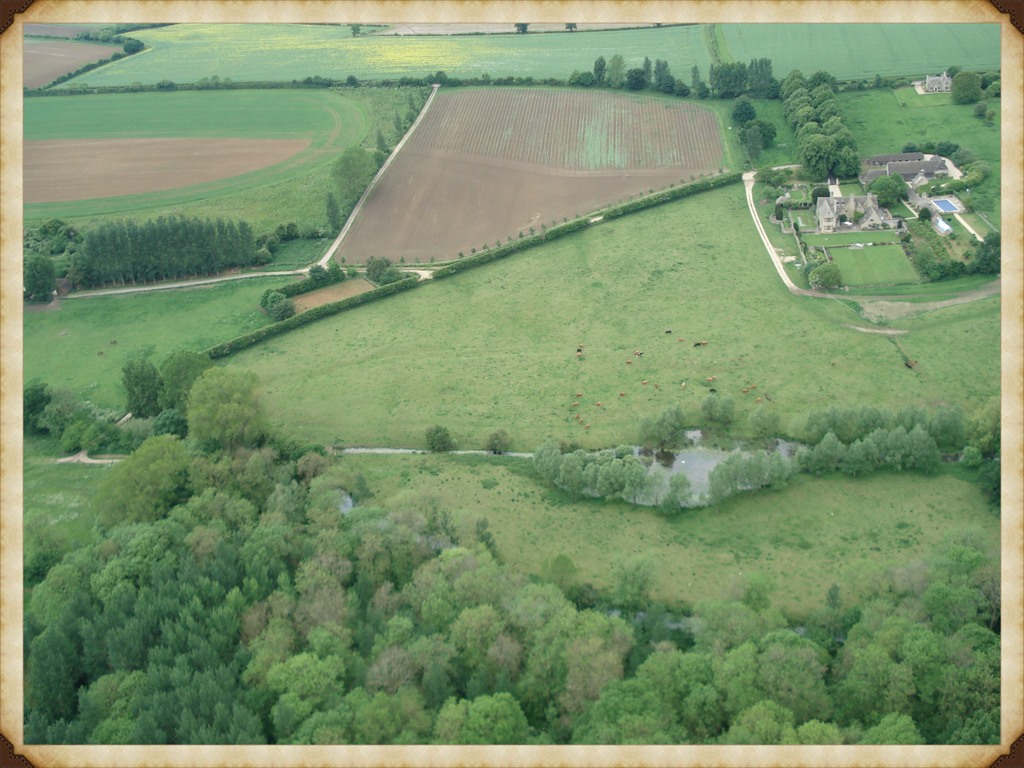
(946,206)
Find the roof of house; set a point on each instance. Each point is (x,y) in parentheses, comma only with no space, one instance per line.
(910,168)
(883,159)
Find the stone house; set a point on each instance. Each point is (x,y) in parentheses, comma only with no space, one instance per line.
(862,209)
(938,83)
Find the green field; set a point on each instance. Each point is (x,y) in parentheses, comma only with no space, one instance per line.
(849,238)
(58,510)
(878,265)
(291,191)
(186,53)
(879,129)
(862,50)
(495,347)
(85,342)
(818,531)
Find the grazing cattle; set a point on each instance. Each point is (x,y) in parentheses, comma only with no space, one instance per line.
(753,386)
(629,362)
(745,390)
(683,385)
(700,344)
(669,331)
(767,397)
(644,381)
(599,403)
(713,391)
(579,350)
(656,386)
(586,426)
(622,394)
(908,364)
(759,400)
(579,394)
(574,404)
(680,339)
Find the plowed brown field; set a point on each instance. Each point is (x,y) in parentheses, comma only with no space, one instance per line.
(486,164)
(79,169)
(46,60)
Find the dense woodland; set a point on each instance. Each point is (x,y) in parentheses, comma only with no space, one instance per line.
(228,599)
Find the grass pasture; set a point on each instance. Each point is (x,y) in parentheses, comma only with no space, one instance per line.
(495,347)
(186,53)
(818,531)
(58,508)
(84,343)
(877,265)
(487,164)
(859,51)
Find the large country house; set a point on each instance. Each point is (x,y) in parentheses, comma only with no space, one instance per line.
(938,83)
(861,211)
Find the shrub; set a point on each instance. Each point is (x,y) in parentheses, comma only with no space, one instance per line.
(439,440)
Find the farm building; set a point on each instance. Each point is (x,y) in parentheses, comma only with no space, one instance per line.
(862,209)
(938,83)
(912,167)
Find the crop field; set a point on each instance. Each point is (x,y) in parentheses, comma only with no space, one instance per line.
(111,167)
(576,130)
(200,122)
(500,351)
(186,53)
(84,343)
(860,51)
(849,529)
(878,265)
(485,165)
(46,60)
(849,238)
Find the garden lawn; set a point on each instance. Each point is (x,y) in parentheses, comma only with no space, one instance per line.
(496,347)
(186,53)
(817,532)
(881,128)
(84,343)
(849,238)
(862,50)
(877,265)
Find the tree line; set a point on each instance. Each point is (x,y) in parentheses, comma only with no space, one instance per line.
(170,247)
(824,144)
(225,599)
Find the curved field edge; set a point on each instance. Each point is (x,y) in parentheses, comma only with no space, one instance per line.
(292,191)
(496,347)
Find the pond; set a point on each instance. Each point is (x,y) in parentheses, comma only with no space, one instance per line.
(696,462)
